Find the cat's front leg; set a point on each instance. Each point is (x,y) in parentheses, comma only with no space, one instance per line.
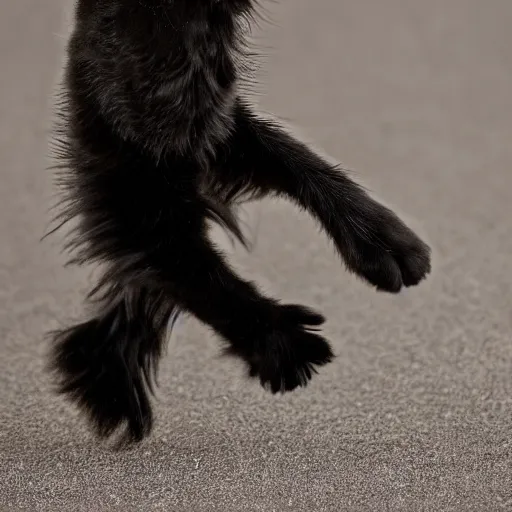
(261,158)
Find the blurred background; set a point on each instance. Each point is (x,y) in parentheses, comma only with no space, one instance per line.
(416,412)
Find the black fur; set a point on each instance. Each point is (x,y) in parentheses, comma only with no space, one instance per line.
(154,140)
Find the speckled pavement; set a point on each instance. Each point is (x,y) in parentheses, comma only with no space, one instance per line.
(416,412)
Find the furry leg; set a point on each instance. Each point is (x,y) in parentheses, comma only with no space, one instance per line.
(262,158)
(108,364)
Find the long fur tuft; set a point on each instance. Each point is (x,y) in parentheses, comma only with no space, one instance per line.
(108,365)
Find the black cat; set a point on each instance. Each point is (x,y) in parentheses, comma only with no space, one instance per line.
(155,141)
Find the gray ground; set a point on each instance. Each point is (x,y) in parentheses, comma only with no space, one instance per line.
(416,412)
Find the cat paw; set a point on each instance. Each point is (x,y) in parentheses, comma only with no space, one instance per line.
(288,355)
(382,250)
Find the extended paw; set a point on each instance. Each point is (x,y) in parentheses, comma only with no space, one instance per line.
(385,252)
(289,353)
